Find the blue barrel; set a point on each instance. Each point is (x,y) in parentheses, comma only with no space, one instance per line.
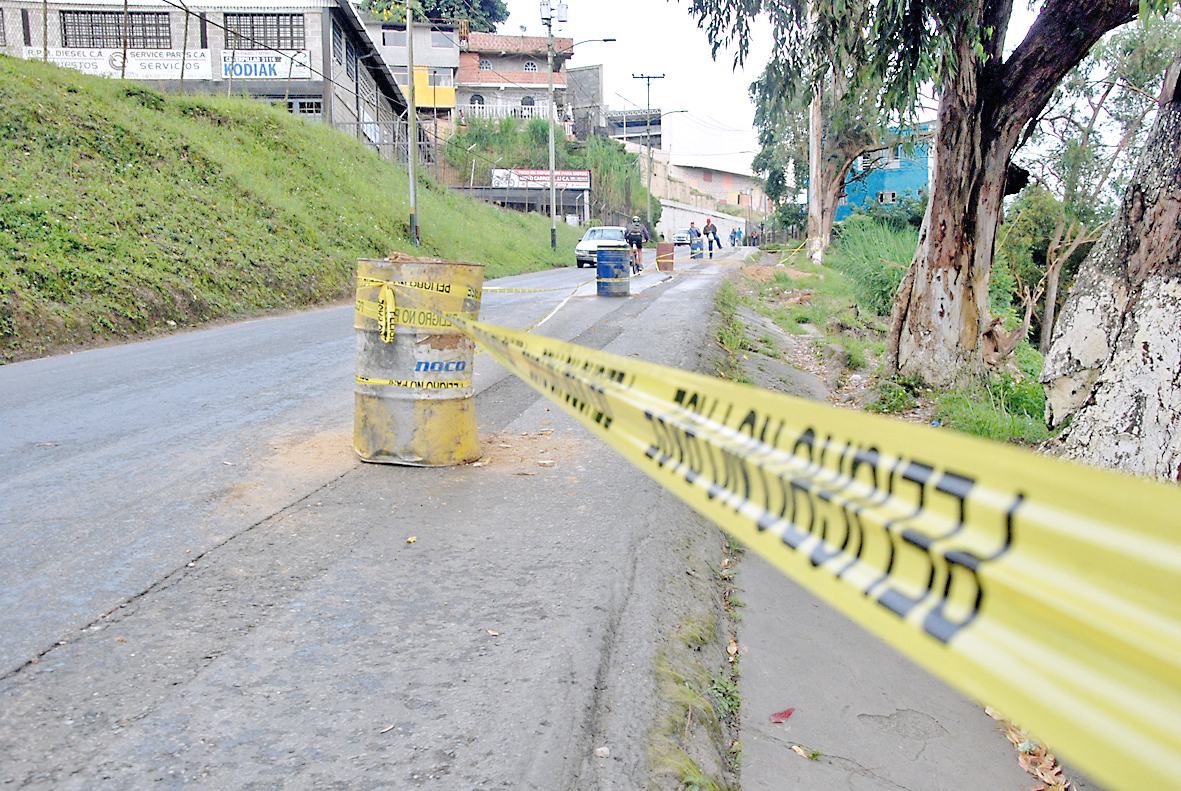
(696,248)
(613,271)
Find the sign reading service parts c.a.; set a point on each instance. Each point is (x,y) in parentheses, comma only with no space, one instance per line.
(1048,590)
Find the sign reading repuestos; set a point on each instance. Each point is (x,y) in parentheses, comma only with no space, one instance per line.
(142,64)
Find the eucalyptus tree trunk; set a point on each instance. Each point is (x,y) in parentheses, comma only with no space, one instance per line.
(1115,363)
(818,236)
(986,101)
(830,155)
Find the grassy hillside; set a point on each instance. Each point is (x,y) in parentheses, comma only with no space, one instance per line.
(124,212)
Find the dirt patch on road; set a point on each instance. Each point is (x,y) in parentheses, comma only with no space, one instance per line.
(528,453)
(272,475)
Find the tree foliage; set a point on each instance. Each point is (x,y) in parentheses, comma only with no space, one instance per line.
(617,185)
(484,15)
(987,99)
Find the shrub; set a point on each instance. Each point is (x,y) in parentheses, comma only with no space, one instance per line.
(875,257)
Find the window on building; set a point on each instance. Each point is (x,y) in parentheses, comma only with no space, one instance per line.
(441,39)
(337,43)
(887,197)
(3,37)
(527,101)
(530,66)
(843,199)
(476,101)
(366,89)
(485,64)
(440,78)
(350,60)
(306,107)
(400,75)
(104,30)
(707,176)
(264,31)
(393,37)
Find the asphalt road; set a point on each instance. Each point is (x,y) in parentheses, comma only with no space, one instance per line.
(117,464)
(201,585)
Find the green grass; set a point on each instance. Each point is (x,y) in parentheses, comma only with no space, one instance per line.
(895,396)
(731,335)
(875,258)
(124,212)
(1009,407)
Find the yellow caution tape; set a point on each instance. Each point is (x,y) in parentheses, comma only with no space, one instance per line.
(427,385)
(431,286)
(497,290)
(614,280)
(1048,590)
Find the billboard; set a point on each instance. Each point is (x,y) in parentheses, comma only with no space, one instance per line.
(539,179)
(142,64)
(266,64)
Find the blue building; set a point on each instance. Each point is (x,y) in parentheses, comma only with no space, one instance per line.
(888,174)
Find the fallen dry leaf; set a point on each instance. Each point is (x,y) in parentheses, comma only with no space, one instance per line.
(494,634)
(732,648)
(798,750)
(783,716)
(545,462)
(387,730)
(412,539)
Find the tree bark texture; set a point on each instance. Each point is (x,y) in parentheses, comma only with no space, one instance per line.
(1115,363)
(817,237)
(830,155)
(1053,274)
(941,309)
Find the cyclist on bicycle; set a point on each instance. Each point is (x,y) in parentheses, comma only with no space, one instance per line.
(637,234)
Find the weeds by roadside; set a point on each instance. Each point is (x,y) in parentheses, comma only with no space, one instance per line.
(842,308)
(731,335)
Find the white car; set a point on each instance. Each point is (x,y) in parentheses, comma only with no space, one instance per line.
(587,251)
(681,236)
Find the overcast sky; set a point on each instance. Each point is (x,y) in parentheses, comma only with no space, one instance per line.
(659,37)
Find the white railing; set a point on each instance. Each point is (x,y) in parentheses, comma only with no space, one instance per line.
(502,111)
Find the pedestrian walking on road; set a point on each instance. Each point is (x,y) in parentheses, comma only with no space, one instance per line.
(711,235)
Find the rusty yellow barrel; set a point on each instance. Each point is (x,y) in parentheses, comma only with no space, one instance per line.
(664,256)
(413,396)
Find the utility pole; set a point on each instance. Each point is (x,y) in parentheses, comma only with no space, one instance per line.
(648,137)
(547,18)
(412,120)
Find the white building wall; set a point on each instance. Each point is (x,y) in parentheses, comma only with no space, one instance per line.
(675,216)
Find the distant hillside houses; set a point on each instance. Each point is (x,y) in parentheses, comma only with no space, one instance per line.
(888,174)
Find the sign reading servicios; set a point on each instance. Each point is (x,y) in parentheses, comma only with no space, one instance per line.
(142,64)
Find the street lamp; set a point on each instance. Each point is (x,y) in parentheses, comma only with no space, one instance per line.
(648,135)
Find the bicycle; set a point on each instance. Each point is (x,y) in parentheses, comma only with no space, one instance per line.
(637,258)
